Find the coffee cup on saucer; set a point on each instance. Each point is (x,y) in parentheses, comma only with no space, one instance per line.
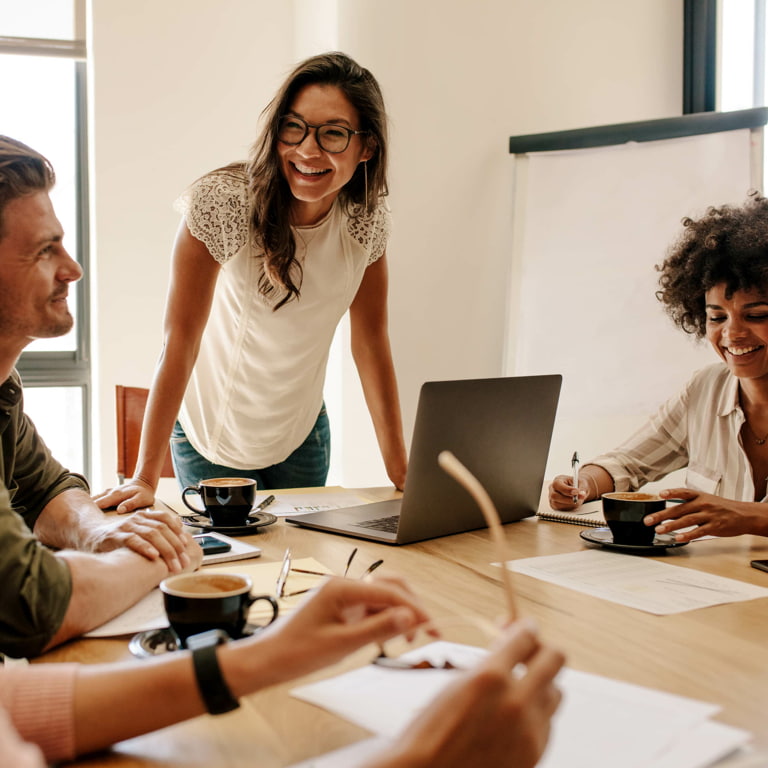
(227,500)
(624,512)
(198,602)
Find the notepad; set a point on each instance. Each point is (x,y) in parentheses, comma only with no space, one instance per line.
(239,550)
(589,514)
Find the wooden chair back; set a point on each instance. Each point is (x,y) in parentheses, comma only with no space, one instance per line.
(130,405)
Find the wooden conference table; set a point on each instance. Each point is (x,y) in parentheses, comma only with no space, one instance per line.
(717,654)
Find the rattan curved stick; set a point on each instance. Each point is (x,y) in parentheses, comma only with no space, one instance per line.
(466,479)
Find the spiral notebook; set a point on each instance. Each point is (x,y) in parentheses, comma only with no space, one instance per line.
(589,514)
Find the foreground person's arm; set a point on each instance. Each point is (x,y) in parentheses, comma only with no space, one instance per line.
(112,702)
(71,520)
(105,585)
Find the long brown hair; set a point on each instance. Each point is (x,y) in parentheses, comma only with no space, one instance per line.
(270,194)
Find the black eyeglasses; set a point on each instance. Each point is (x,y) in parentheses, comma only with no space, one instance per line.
(331,137)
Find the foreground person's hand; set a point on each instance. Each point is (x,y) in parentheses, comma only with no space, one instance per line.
(491,716)
(340,617)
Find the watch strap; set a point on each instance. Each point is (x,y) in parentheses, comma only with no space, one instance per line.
(213,688)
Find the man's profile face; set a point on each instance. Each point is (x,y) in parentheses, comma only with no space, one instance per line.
(35,272)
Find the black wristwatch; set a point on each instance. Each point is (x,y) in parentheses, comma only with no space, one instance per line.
(213,688)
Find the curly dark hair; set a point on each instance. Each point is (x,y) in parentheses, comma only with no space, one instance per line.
(727,245)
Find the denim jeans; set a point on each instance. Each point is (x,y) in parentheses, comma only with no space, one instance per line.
(306,467)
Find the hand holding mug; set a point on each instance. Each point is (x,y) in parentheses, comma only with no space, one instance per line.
(709,514)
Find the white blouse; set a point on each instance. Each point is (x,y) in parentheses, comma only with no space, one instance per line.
(257,386)
(699,429)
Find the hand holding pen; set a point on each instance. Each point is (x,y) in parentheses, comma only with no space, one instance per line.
(575,470)
(564,491)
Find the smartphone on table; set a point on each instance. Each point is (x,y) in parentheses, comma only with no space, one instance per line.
(761,565)
(211,545)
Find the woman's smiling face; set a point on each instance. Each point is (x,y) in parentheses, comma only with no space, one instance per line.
(737,329)
(315,176)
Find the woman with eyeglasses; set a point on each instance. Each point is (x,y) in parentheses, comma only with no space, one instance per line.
(269,256)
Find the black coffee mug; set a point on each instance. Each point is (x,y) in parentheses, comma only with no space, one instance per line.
(227,500)
(624,512)
(198,602)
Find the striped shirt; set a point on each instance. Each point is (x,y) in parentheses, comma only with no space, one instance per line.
(699,429)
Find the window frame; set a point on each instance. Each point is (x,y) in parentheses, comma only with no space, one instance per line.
(68,368)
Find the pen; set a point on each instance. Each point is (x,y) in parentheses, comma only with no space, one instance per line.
(575,469)
(261,506)
(280,586)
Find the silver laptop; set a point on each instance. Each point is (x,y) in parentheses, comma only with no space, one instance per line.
(500,429)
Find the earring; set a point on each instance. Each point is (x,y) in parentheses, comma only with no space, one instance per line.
(365,177)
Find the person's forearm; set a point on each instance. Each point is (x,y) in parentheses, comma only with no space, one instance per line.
(103,586)
(118,702)
(167,392)
(377,376)
(67,521)
(597,480)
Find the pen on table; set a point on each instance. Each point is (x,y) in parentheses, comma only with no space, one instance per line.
(262,505)
(575,470)
(280,586)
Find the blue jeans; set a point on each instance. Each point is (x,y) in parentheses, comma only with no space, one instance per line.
(306,467)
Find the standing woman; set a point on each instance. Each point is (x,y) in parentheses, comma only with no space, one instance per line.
(269,256)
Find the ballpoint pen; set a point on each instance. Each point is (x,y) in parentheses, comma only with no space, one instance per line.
(262,505)
(280,586)
(575,470)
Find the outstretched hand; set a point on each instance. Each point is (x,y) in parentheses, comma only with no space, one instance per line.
(340,617)
(711,515)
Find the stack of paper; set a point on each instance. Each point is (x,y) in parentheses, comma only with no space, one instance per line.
(600,723)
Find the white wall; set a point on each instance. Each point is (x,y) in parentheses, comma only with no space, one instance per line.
(178,85)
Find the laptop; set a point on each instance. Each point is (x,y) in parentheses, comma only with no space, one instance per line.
(500,429)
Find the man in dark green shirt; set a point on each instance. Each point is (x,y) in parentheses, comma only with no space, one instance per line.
(103,565)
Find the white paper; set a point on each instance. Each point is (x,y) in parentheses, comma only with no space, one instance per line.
(292,504)
(149,612)
(351,756)
(637,582)
(706,745)
(601,723)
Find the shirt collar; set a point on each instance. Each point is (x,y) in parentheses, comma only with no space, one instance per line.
(10,392)
(729,397)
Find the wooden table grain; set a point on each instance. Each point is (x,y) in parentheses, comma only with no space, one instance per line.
(716,654)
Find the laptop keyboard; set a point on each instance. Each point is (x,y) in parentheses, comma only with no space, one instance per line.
(386,524)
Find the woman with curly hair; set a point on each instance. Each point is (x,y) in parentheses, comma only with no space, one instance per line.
(714,285)
(269,256)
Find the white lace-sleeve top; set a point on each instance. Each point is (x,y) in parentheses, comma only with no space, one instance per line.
(257,386)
